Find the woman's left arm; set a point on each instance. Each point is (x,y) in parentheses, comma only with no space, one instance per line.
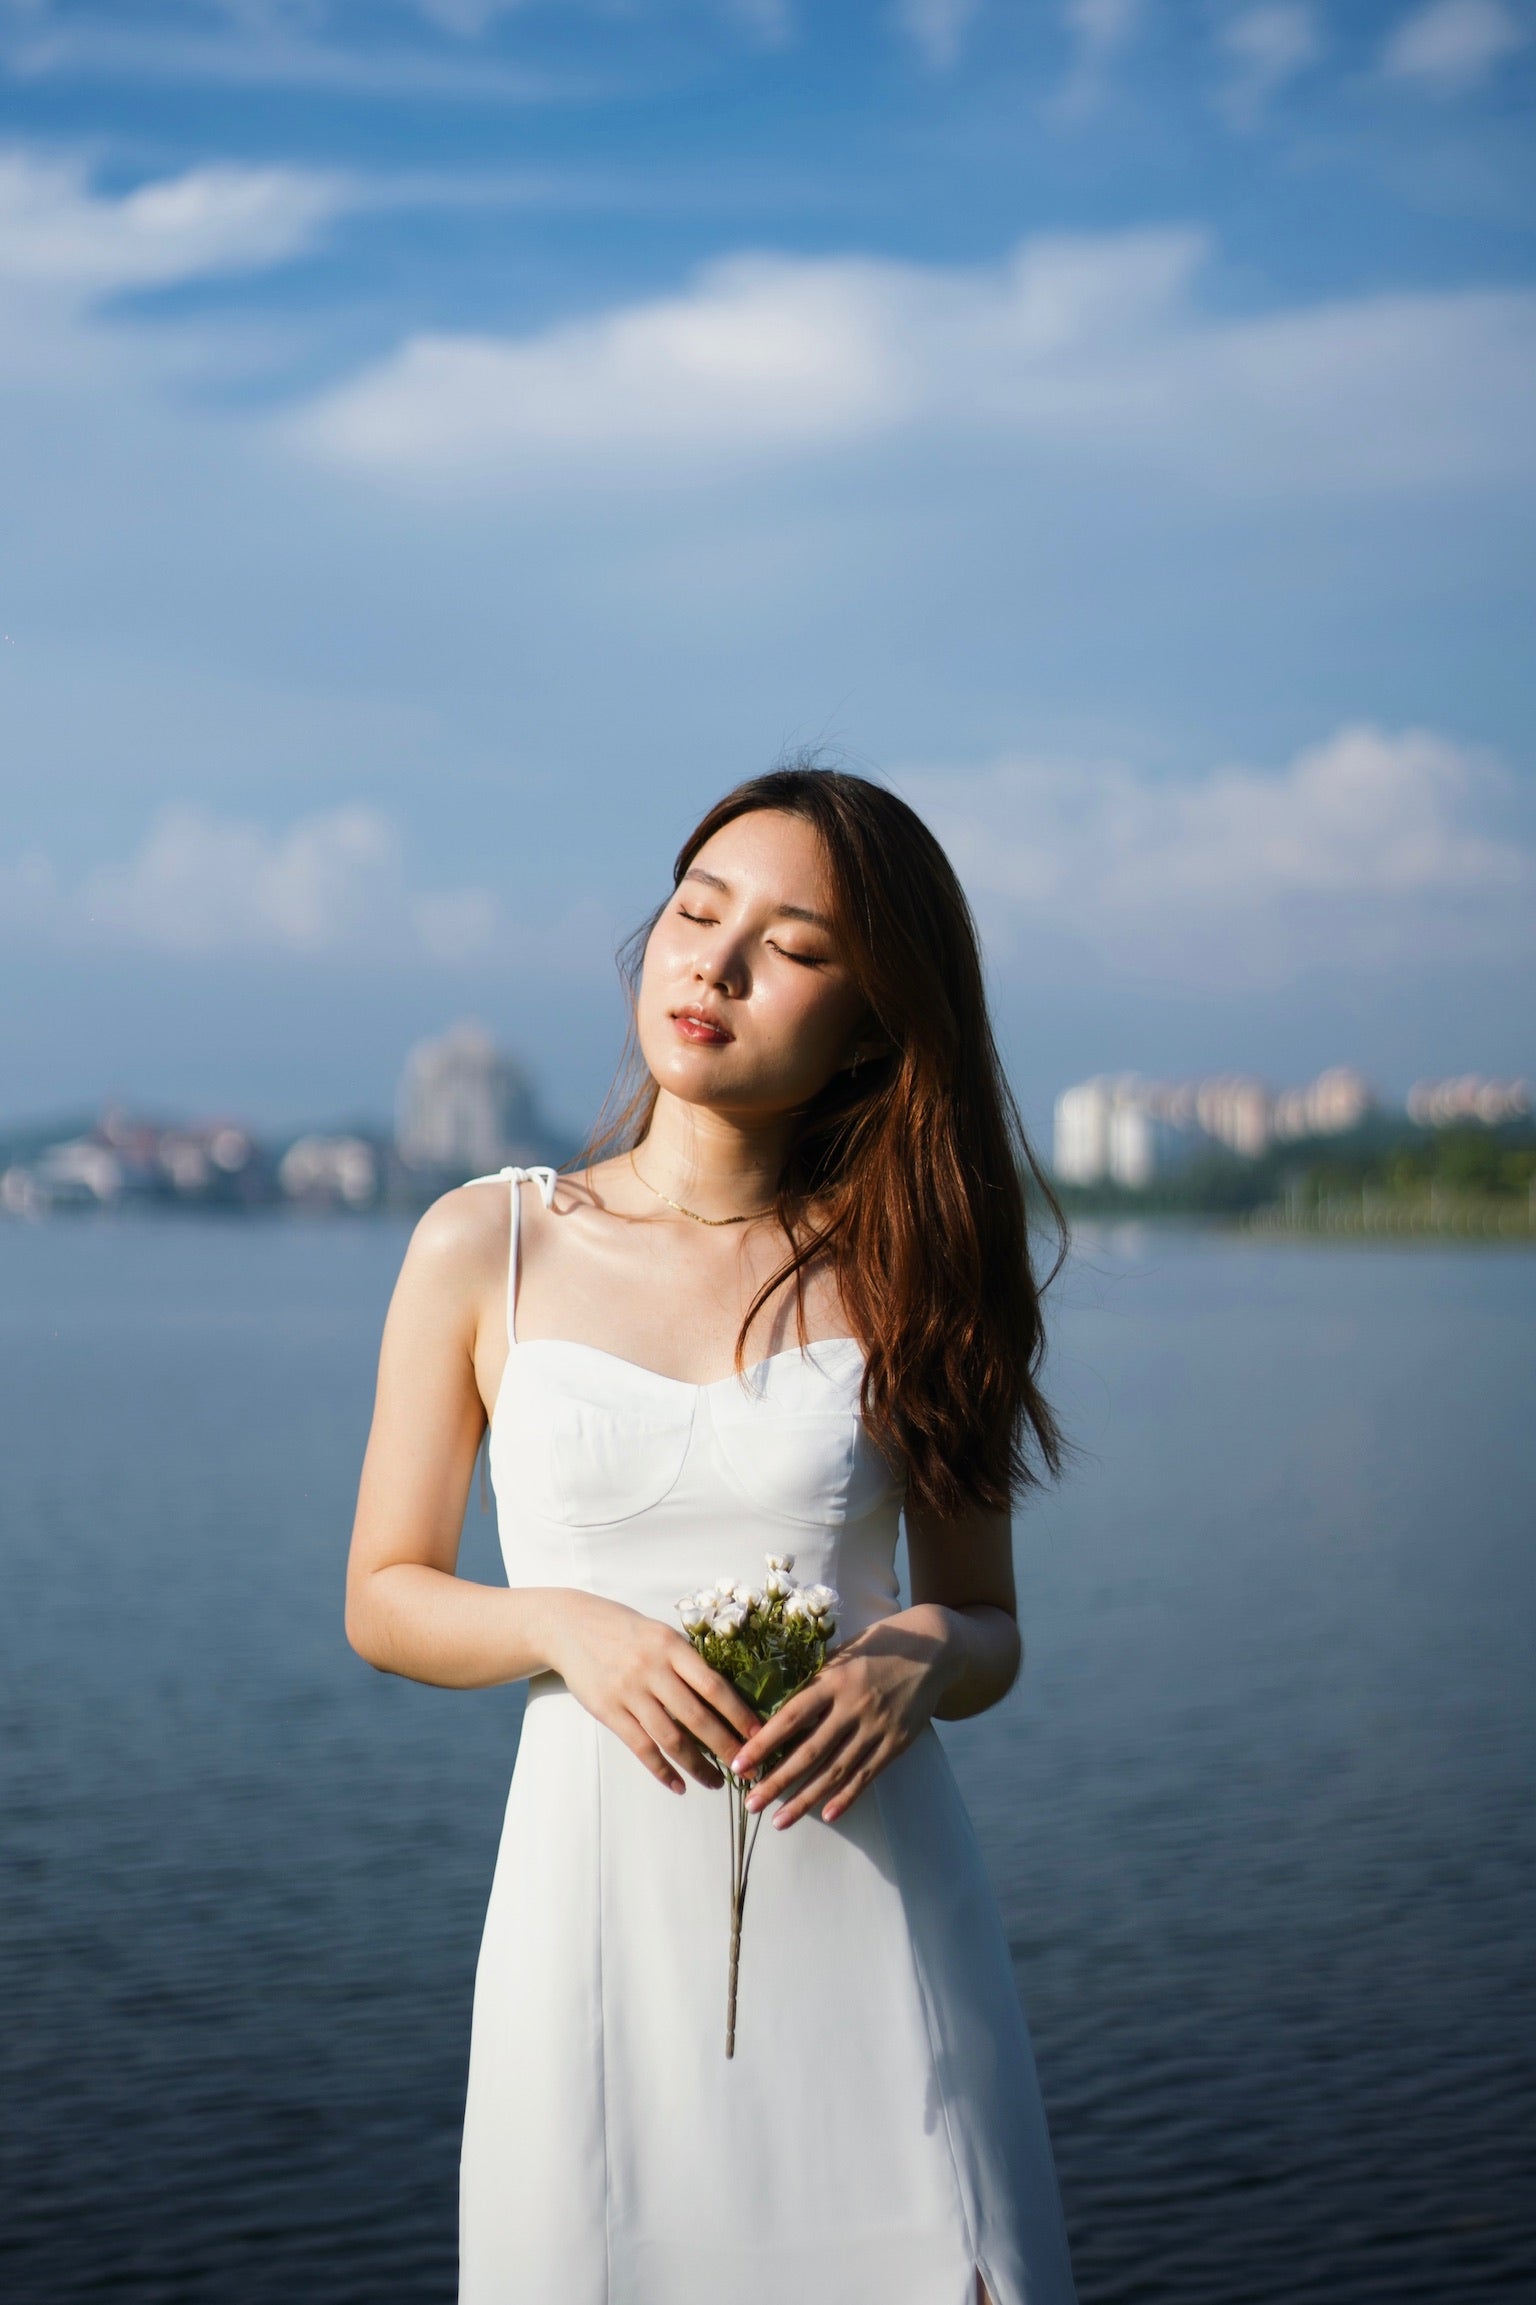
(955,1651)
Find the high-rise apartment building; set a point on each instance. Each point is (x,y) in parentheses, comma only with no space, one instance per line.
(1337,1101)
(1128,1130)
(1081,1145)
(1235,1110)
(1119,1126)
(464,1107)
(1469,1096)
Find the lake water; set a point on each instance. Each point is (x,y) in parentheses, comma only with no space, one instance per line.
(1260,1813)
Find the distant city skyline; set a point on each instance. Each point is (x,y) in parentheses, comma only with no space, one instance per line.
(462,1101)
(463,1108)
(467,1045)
(1128,1130)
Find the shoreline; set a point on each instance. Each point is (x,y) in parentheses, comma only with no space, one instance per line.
(1375,1228)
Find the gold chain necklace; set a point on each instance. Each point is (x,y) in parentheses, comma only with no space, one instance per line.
(747,1219)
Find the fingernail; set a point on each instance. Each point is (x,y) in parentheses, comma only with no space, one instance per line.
(780,1822)
(754,1802)
(736,1768)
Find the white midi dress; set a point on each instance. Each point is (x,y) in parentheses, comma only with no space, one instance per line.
(878,2136)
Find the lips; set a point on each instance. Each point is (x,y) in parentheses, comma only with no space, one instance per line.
(697,1025)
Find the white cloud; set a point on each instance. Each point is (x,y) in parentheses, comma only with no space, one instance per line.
(770,23)
(1365,850)
(1093,347)
(1452,44)
(203,886)
(1264,48)
(762,353)
(937,28)
(1099,31)
(258,51)
(65,248)
(466,19)
(55,230)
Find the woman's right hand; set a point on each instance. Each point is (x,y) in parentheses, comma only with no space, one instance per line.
(651,1687)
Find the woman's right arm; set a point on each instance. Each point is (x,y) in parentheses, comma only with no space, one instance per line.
(407,1610)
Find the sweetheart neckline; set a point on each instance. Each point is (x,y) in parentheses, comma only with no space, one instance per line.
(658,1376)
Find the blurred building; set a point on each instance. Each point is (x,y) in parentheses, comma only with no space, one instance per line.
(326,1171)
(1333,1104)
(1121,1127)
(1142,1142)
(1125,1130)
(1234,1110)
(77,1173)
(1080,1151)
(464,1107)
(124,1157)
(1470,1096)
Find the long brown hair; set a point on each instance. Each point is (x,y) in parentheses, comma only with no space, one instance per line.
(916,1163)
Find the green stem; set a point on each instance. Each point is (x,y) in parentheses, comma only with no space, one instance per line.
(742,1846)
(746,1864)
(738,1891)
(730,1997)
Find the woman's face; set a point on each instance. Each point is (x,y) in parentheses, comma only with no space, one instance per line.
(745,1003)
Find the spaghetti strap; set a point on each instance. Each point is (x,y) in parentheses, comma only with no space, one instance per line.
(544,1178)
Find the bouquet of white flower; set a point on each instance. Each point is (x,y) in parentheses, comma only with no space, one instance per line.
(767,1643)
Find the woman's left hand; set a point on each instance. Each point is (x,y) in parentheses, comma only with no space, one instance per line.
(862,1710)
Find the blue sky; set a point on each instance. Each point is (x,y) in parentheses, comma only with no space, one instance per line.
(447,443)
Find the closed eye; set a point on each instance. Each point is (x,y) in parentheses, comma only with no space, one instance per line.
(805,959)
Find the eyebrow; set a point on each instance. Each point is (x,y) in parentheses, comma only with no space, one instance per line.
(781,911)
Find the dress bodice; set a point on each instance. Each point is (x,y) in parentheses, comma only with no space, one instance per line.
(614,1478)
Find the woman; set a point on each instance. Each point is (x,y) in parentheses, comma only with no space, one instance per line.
(794,1302)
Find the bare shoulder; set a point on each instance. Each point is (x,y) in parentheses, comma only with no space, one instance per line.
(463,1235)
(467,1233)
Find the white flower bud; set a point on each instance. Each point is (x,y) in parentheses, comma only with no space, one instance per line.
(696,1612)
(781,1563)
(821,1598)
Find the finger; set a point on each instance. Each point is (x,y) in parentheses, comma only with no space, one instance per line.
(629,1732)
(805,1762)
(674,1741)
(708,1731)
(679,1748)
(716,1691)
(787,1749)
(833,1788)
(845,1794)
(792,1722)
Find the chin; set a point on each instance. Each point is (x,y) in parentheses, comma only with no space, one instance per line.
(694,1084)
(687,1072)
(699,1078)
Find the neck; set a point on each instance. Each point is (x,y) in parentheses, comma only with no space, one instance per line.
(717,1164)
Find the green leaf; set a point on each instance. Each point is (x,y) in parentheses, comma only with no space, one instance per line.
(761,1683)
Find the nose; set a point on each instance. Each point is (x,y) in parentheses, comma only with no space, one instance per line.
(719,962)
